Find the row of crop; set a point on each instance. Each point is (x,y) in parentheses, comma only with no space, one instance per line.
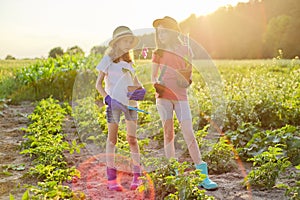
(45,144)
(264,94)
(48,77)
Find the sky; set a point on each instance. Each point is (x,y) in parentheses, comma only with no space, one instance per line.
(31,28)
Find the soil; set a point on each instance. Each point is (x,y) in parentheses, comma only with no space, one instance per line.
(93,178)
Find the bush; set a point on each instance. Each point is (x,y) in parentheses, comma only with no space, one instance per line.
(56,52)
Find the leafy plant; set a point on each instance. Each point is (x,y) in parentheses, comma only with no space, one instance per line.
(220,158)
(45,142)
(250,140)
(172,182)
(267,167)
(292,191)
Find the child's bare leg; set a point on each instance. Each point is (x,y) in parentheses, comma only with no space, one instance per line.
(135,153)
(132,141)
(111,143)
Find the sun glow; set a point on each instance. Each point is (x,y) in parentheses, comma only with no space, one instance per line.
(33,24)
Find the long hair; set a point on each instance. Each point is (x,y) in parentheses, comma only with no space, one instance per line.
(117,55)
(160,47)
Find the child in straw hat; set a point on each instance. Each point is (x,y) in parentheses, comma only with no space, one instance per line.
(116,70)
(170,57)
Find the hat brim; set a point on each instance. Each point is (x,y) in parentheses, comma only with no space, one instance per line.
(157,22)
(166,23)
(134,43)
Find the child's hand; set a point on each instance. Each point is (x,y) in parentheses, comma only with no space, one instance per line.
(137,95)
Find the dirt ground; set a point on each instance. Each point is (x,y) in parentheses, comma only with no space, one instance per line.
(93,180)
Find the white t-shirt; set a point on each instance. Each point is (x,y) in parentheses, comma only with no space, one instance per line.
(118,77)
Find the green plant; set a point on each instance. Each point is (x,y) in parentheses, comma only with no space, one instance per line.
(267,167)
(292,191)
(172,182)
(51,76)
(45,143)
(220,158)
(250,140)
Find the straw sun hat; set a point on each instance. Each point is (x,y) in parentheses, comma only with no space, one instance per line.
(122,32)
(167,22)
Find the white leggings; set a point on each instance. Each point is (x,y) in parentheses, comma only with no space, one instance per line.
(167,107)
(182,109)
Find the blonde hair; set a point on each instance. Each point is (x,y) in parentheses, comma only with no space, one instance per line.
(117,55)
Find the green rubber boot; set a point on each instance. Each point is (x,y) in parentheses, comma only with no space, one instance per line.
(207,183)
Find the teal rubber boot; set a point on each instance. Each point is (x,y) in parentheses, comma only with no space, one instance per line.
(206,183)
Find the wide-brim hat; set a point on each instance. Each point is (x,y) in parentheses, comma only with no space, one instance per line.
(122,32)
(167,22)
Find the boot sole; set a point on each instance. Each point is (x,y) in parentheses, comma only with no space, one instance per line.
(212,189)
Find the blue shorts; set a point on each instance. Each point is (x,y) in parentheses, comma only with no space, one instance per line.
(114,115)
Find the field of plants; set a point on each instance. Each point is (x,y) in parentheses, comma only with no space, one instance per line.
(246,118)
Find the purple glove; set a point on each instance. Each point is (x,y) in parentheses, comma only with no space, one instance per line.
(137,94)
(114,104)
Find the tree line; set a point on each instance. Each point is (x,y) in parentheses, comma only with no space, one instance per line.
(257,29)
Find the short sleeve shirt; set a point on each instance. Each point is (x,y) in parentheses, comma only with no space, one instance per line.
(118,76)
(169,62)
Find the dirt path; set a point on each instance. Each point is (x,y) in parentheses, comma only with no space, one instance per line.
(13,165)
(93,170)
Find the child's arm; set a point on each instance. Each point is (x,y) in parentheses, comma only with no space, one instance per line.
(155,67)
(99,86)
(136,82)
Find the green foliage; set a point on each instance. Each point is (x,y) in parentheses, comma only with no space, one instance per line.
(267,167)
(91,125)
(10,57)
(45,143)
(268,96)
(49,68)
(241,136)
(51,77)
(262,110)
(90,121)
(292,191)
(75,50)
(184,185)
(56,52)
(275,25)
(3,104)
(50,190)
(220,158)
(8,69)
(251,141)
(98,50)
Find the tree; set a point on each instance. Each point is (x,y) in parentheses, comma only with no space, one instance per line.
(55,52)
(273,37)
(98,50)
(75,50)
(10,57)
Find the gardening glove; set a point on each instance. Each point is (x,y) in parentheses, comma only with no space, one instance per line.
(137,94)
(114,104)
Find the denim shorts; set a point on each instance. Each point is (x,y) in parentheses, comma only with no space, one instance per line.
(114,115)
